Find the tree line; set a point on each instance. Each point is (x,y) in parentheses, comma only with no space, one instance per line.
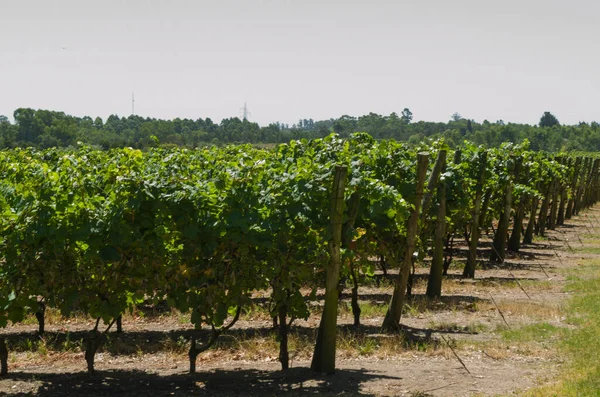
(45,129)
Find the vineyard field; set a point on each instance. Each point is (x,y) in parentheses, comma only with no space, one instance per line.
(374,261)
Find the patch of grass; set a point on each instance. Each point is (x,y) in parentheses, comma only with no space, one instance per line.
(351,344)
(52,316)
(538,332)
(378,280)
(496,352)
(390,345)
(183,318)
(256,312)
(69,345)
(587,250)
(412,310)
(178,346)
(539,285)
(531,309)
(590,237)
(368,347)
(581,374)
(42,348)
(369,310)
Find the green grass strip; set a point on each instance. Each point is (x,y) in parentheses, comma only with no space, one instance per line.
(580,347)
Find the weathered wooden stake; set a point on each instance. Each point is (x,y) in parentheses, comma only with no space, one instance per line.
(514,243)
(469,270)
(434,284)
(3,356)
(324,354)
(499,244)
(391,321)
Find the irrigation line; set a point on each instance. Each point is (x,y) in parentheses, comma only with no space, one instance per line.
(588,218)
(519,284)
(592,219)
(441,387)
(499,311)
(511,273)
(558,256)
(569,245)
(453,351)
(588,229)
(595,218)
(542,267)
(566,240)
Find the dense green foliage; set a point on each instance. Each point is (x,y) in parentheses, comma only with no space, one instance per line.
(45,129)
(101,231)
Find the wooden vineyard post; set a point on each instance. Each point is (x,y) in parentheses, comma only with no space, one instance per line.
(352,213)
(284,355)
(580,186)
(3,357)
(574,179)
(596,187)
(588,182)
(439,166)
(434,284)
(590,191)
(469,270)
(541,226)
(324,355)
(440,224)
(594,184)
(563,198)
(484,207)
(450,234)
(514,243)
(579,202)
(499,244)
(554,205)
(528,237)
(595,196)
(40,316)
(391,321)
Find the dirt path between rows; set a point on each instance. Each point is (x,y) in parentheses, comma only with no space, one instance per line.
(527,289)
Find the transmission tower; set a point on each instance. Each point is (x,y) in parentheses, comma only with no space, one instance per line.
(245,112)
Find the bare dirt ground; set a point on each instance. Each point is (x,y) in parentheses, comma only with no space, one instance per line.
(454,346)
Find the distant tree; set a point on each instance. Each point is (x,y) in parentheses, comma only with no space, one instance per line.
(416,139)
(407,116)
(27,128)
(346,125)
(8,132)
(456,116)
(548,120)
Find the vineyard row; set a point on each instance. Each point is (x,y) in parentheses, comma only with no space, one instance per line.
(100,232)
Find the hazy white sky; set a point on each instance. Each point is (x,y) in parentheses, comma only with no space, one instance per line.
(291,59)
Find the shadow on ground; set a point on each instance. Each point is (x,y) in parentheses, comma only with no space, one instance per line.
(230,382)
